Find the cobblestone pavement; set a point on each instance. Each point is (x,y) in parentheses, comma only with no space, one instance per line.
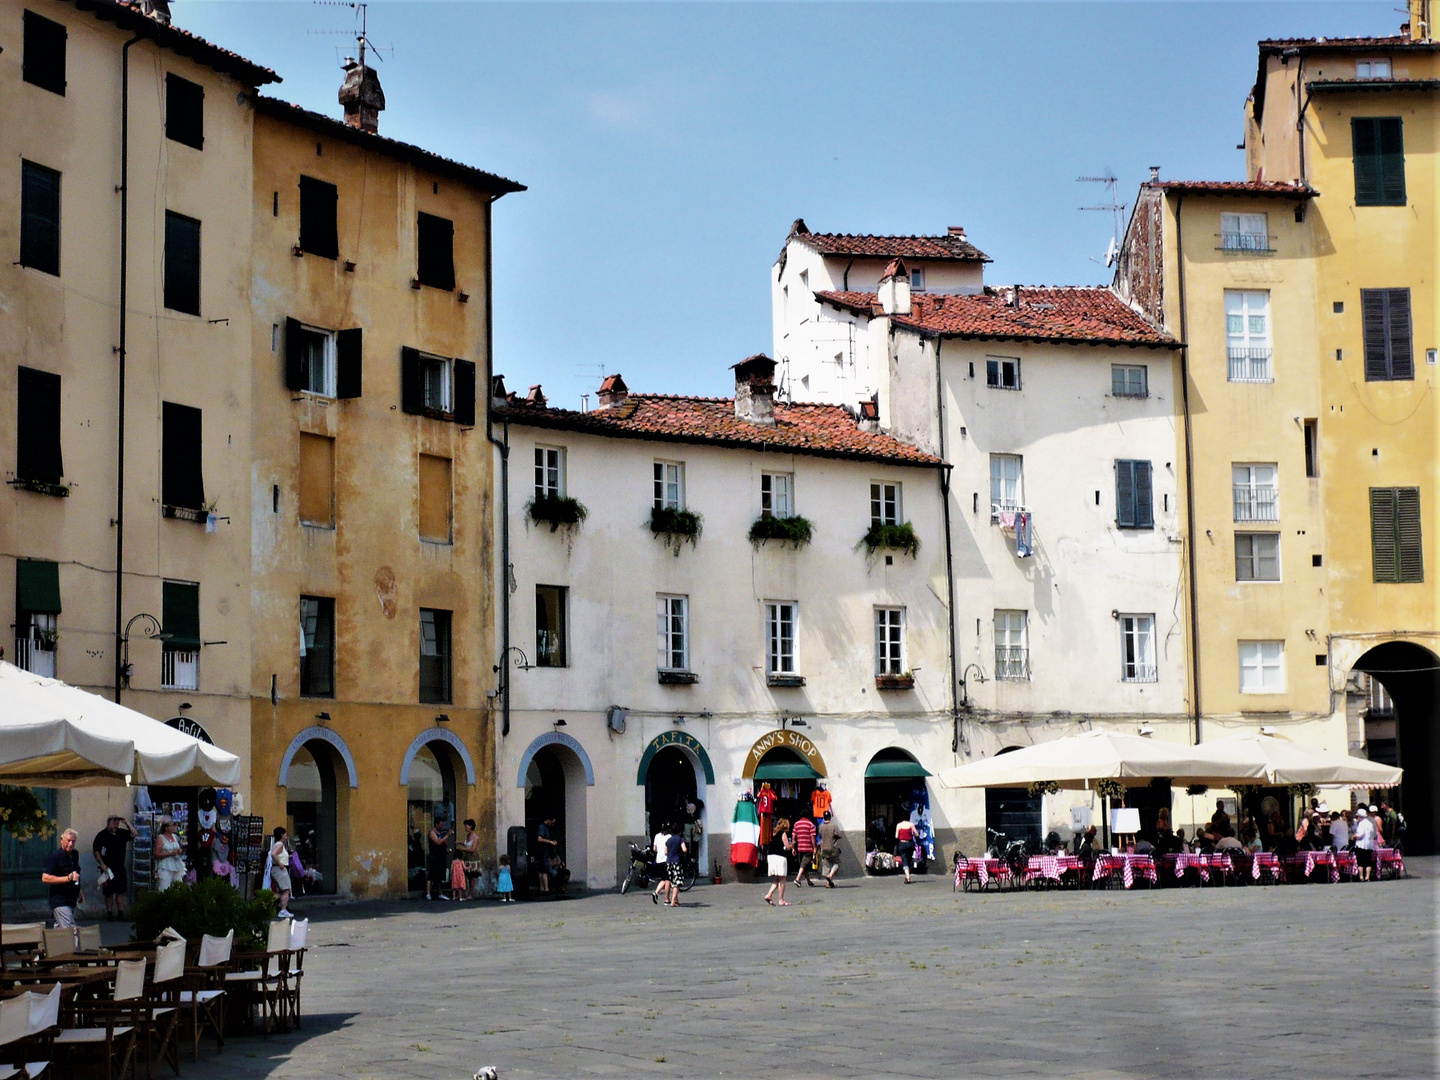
(875,979)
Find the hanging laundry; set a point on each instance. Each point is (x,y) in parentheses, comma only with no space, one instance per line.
(1024,540)
(745,835)
(1007,519)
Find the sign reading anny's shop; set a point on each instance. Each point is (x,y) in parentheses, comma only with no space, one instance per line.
(791,740)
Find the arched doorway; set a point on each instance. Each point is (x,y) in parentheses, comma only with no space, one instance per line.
(430,793)
(555,773)
(894,790)
(310,813)
(669,788)
(1402,727)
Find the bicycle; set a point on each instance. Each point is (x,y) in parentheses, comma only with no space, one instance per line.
(644,872)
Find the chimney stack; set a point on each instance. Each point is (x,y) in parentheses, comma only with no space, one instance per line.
(895,289)
(613,391)
(957,231)
(755,390)
(159,10)
(1154,174)
(361,96)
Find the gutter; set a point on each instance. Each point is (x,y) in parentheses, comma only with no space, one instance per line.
(503,445)
(1189,472)
(944,473)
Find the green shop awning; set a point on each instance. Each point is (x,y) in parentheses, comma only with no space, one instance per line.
(786,770)
(37,586)
(180,616)
(895,770)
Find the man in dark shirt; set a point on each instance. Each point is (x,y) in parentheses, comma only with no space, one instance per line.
(62,874)
(109,849)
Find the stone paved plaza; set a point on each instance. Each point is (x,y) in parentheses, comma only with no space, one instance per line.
(875,979)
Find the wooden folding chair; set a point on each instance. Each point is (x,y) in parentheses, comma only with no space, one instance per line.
(164,1006)
(18,1044)
(264,985)
(60,941)
(21,941)
(203,998)
(114,1040)
(87,939)
(299,932)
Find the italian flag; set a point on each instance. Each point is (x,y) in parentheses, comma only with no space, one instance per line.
(745,835)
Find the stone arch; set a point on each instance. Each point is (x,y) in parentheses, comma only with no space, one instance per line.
(1410,673)
(440,735)
(555,738)
(686,744)
(318,734)
(786,739)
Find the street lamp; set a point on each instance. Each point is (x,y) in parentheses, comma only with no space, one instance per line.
(158,634)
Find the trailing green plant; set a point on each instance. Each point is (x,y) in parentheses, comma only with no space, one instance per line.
(557,511)
(1197,789)
(22,815)
(1043,787)
(1243,791)
(675,526)
(795,531)
(212,906)
(900,537)
(1303,790)
(1109,789)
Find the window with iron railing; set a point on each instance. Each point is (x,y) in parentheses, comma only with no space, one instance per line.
(1256,496)
(1250,365)
(1244,232)
(1247,335)
(180,669)
(35,643)
(1012,646)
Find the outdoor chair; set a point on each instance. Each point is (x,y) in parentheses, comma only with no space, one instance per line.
(60,942)
(264,986)
(113,1041)
(87,939)
(22,941)
(299,932)
(163,1021)
(203,998)
(19,1043)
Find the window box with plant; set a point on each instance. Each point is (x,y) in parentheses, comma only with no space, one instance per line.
(795,531)
(675,526)
(899,537)
(556,511)
(904,680)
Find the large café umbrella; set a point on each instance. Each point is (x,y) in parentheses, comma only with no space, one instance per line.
(1282,762)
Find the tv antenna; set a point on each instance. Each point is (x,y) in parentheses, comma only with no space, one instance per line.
(1114,207)
(362,39)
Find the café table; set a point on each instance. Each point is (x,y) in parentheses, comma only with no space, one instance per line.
(1388,858)
(1053,867)
(1129,866)
(1264,862)
(1305,862)
(1201,862)
(981,870)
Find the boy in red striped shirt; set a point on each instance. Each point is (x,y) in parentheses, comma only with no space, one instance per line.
(804,834)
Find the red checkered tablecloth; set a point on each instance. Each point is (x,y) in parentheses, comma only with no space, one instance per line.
(982,870)
(1179,862)
(1128,865)
(1051,866)
(1306,861)
(1387,856)
(1265,860)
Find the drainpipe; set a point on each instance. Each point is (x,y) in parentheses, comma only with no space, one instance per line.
(503,445)
(845,280)
(119,522)
(1189,472)
(949,557)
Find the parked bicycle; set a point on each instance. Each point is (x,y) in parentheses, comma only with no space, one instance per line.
(645,872)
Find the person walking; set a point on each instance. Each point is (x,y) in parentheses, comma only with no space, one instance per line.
(830,837)
(169,856)
(804,833)
(62,873)
(905,846)
(777,863)
(109,850)
(280,871)
(1366,841)
(675,849)
(659,845)
(437,860)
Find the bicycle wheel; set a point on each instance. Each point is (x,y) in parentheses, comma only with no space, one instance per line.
(688,877)
(625,885)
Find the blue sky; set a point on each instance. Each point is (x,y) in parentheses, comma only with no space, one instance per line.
(668,147)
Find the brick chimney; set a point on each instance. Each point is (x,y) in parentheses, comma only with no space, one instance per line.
(612,391)
(361,96)
(159,10)
(755,390)
(536,397)
(895,289)
(957,231)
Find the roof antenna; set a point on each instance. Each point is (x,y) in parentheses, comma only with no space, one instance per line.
(1114,207)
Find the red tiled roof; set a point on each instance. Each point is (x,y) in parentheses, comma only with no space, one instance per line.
(126,15)
(952,247)
(1045,313)
(1395,41)
(1284,188)
(817,430)
(1373,84)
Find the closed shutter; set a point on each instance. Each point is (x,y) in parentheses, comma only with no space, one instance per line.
(180,616)
(348,351)
(464,411)
(1124,494)
(1397,333)
(1144,507)
(37,586)
(37,451)
(44,62)
(1407,534)
(182,263)
(319,204)
(1365,155)
(1384,556)
(412,388)
(1385,319)
(436,240)
(182,481)
(39,217)
(295,374)
(1390,168)
(1372,318)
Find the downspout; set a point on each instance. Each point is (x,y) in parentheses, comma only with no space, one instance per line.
(503,668)
(1189,473)
(120,353)
(949,555)
(845,280)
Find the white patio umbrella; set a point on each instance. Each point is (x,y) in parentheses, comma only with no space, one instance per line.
(1282,762)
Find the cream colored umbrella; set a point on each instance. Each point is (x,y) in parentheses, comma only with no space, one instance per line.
(1282,762)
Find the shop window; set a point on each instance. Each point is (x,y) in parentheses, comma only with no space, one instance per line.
(44,46)
(669,485)
(889,641)
(1262,667)
(1396,551)
(1257,556)
(317,480)
(37,444)
(434,656)
(317,646)
(319,204)
(1385,321)
(780,638)
(39,218)
(182,263)
(1137,648)
(551,632)
(885,504)
(673,632)
(180,621)
(436,499)
(1378,149)
(775,495)
(182,481)
(436,242)
(37,611)
(184,111)
(1134,501)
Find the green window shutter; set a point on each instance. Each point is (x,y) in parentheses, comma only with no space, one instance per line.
(1390,166)
(1124,494)
(1365,153)
(180,616)
(182,263)
(1407,534)
(39,218)
(1382,534)
(1144,500)
(37,586)
(1397,332)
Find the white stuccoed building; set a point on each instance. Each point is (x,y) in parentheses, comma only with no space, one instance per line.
(1057,409)
(646,670)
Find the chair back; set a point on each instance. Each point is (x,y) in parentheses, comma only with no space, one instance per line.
(277,941)
(44,1010)
(15,1018)
(169,961)
(30,933)
(299,931)
(129,979)
(60,941)
(89,937)
(215,951)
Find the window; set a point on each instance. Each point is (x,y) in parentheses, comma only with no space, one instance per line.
(184,111)
(1395,534)
(435,382)
(1256,498)
(182,481)
(317,646)
(1312,448)
(44,62)
(1247,335)
(317,480)
(1129,380)
(1372,69)
(673,626)
(37,443)
(437,386)
(779,638)
(1244,232)
(323,362)
(1007,484)
(1378,147)
(180,620)
(549,472)
(889,641)
(917,279)
(1262,667)
(550,628)
(434,656)
(37,611)
(318,230)
(436,499)
(1134,501)
(669,485)
(39,217)
(1003,373)
(775,495)
(1385,319)
(885,508)
(182,263)
(1257,556)
(1137,648)
(436,241)
(1012,645)
(1378,701)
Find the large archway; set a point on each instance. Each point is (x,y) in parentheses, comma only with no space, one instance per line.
(675,771)
(894,788)
(1402,727)
(311,813)
(555,772)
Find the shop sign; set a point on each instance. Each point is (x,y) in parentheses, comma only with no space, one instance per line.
(186,726)
(787,738)
(675,738)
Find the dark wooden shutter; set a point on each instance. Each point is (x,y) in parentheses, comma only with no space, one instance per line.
(296,377)
(44,60)
(39,217)
(37,586)
(182,263)
(1390,160)
(182,481)
(37,451)
(184,111)
(1374,333)
(180,615)
(1407,534)
(348,351)
(1125,494)
(464,411)
(319,204)
(1397,334)
(436,239)
(1365,152)
(412,388)
(1144,500)
(1384,556)
(1385,321)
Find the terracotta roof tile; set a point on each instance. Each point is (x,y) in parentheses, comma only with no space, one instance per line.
(126,15)
(1395,41)
(952,247)
(818,430)
(1281,188)
(1045,313)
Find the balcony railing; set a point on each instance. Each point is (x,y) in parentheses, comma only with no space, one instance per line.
(1141,673)
(1244,241)
(1256,503)
(34,659)
(180,669)
(1012,662)
(1250,365)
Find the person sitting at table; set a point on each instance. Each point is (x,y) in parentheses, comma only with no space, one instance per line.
(1204,842)
(1144,847)
(1277,836)
(1220,822)
(1339,833)
(1166,842)
(1229,845)
(1085,845)
(1251,839)
(1182,845)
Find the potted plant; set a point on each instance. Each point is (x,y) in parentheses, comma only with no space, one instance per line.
(715,878)
(899,537)
(675,526)
(904,680)
(795,531)
(557,511)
